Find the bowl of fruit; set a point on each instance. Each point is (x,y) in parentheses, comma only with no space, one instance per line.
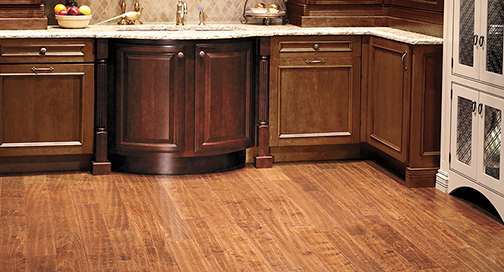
(70,15)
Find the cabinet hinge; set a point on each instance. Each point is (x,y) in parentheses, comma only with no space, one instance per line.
(452,63)
(451,94)
(449,157)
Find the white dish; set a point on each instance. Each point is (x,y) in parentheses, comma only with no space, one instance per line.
(70,21)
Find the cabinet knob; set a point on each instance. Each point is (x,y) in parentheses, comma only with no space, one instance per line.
(180,55)
(316,47)
(43,51)
(202,53)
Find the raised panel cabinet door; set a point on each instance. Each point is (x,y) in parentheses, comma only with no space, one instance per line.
(150,89)
(315,93)
(46,109)
(490,151)
(389,92)
(492,42)
(223,97)
(466,38)
(464,131)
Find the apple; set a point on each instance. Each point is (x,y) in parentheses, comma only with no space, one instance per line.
(85,10)
(73,11)
(58,8)
(63,12)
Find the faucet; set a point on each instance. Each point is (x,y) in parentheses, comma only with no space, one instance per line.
(181,11)
(128,18)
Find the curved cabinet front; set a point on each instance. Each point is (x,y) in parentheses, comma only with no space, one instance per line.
(171,98)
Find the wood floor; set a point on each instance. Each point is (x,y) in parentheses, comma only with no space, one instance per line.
(295,217)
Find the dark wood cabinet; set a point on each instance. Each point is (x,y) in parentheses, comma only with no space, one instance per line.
(223,96)
(432,5)
(150,98)
(389,83)
(403,121)
(314,92)
(22,14)
(182,107)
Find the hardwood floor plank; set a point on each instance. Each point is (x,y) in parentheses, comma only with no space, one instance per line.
(334,216)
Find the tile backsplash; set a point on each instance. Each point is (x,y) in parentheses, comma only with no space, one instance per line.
(218,11)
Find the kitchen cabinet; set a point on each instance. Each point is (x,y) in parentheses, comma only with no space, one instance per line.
(433,5)
(182,107)
(476,141)
(315,91)
(389,82)
(47,112)
(22,14)
(403,94)
(223,97)
(478,40)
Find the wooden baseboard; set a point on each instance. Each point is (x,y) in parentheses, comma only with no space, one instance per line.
(101,168)
(18,165)
(263,162)
(420,177)
(22,23)
(316,153)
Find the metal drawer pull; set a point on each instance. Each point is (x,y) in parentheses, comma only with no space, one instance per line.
(480,108)
(42,70)
(403,58)
(316,61)
(474,106)
(202,54)
(43,51)
(180,55)
(476,40)
(482,41)
(316,47)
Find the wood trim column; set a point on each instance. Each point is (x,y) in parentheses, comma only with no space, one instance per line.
(101,164)
(264,159)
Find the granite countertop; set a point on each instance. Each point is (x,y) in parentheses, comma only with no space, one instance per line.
(217,31)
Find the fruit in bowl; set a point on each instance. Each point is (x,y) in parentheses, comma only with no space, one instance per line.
(72,16)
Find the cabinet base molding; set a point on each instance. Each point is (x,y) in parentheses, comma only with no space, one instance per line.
(19,165)
(101,168)
(316,153)
(23,23)
(170,164)
(420,177)
(263,162)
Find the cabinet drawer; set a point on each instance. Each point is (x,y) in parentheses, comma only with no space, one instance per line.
(46,51)
(317,44)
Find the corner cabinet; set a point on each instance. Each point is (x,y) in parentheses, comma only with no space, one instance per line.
(403,118)
(46,105)
(182,107)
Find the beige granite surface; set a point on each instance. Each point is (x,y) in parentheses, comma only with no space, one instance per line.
(217,31)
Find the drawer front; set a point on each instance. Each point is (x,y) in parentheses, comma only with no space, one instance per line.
(316,44)
(46,51)
(46,109)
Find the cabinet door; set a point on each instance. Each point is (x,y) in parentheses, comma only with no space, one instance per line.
(389,87)
(464,131)
(315,93)
(490,152)
(493,29)
(466,56)
(223,97)
(150,88)
(46,109)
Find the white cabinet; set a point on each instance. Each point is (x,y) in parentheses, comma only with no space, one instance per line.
(478,40)
(476,143)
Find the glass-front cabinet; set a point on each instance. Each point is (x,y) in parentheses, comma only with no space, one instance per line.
(476,143)
(478,40)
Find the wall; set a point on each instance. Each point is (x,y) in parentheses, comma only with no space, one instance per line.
(218,11)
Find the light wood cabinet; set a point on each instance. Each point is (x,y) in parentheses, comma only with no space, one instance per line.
(389,82)
(315,91)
